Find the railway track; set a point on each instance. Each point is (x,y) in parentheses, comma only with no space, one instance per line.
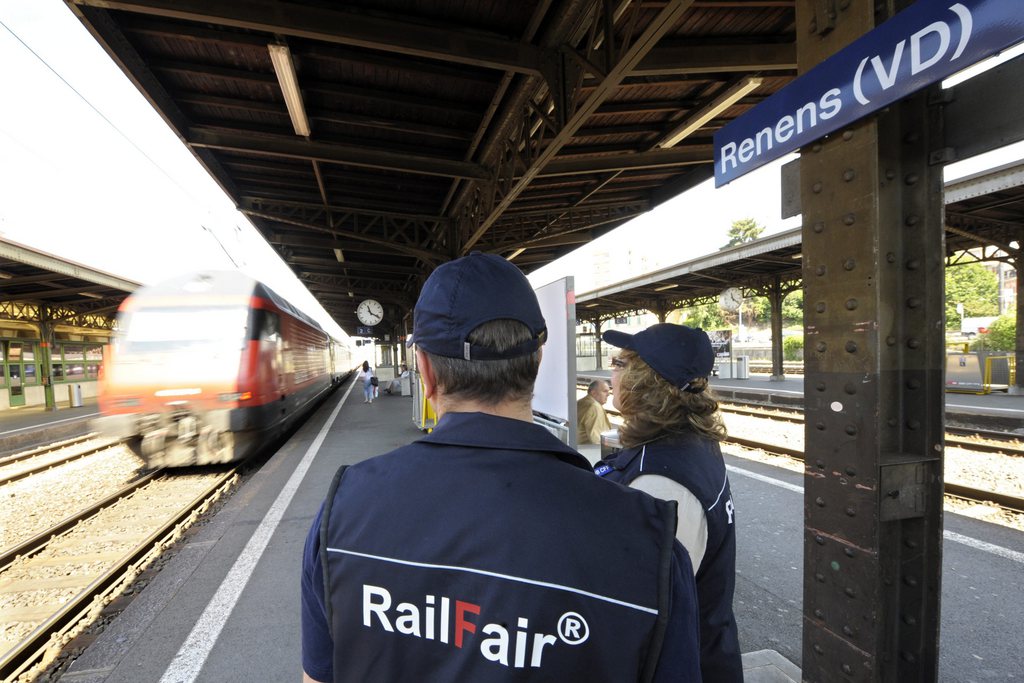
(969,493)
(968,439)
(985,441)
(22,465)
(55,582)
(45,448)
(982,440)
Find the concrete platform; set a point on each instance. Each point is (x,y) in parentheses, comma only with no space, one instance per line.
(24,427)
(768,666)
(226,605)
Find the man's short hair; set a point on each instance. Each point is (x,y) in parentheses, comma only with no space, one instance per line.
(593,385)
(490,381)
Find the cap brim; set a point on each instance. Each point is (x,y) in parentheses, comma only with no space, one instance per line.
(617,338)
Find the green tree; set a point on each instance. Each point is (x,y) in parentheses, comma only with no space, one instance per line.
(743,231)
(757,310)
(706,317)
(792,348)
(975,287)
(793,309)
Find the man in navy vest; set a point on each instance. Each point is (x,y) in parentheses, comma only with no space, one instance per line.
(487,551)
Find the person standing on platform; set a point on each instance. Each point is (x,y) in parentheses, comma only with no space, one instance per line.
(591,419)
(671,435)
(367,376)
(463,556)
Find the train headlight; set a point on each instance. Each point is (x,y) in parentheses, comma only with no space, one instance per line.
(236,396)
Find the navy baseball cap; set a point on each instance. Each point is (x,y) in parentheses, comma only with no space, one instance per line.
(461,295)
(678,353)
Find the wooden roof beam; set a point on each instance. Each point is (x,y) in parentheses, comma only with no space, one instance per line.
(334,153)
(327,116)
(341,27)
(676,60)
(663,22)
(249,202)
(659,158)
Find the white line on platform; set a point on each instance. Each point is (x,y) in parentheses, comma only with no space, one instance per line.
(741,387)
(186,665)
(987,547)
(998,550)
(768,480)
(48,424)
(985,409)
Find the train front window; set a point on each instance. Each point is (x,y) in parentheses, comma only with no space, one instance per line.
(161,330)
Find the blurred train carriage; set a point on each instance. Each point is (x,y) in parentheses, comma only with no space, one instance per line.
(205,367)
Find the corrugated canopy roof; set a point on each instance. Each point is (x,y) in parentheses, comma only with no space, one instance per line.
(419,131)
(72,292)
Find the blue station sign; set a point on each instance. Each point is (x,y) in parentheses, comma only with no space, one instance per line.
(921,45)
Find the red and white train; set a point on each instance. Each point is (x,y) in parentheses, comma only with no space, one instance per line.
(205,367)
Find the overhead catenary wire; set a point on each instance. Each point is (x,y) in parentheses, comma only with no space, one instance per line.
(195,202)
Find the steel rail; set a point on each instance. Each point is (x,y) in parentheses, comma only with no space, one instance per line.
(1004,500)
(52,464)
(33,647)
(999,442)
(961,437)
(45,448)
(37,542)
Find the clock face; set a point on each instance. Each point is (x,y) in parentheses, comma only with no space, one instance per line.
(370,312)
(731,299)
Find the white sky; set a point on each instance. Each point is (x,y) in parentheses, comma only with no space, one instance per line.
(124,195)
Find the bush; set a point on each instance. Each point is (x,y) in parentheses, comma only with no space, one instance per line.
(793,348)
(1001,335)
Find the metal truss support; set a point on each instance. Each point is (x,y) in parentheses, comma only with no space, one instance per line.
(46,328)
(775,297)
(775,289)
(31,313)
(1018,386)
(873,292)
(380,230)
(550,118)
(542,228)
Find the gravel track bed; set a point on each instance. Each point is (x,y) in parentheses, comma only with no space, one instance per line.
(36,503)
(48,457)
(987,471)
(70,560)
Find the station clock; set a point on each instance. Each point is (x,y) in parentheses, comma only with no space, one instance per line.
(370,312)
(731,299)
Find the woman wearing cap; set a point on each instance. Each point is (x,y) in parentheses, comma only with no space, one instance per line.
(671,436)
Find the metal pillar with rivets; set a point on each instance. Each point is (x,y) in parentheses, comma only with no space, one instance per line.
(873,301)
(776,293)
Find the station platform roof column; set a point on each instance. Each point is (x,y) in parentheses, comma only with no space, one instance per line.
(873,284)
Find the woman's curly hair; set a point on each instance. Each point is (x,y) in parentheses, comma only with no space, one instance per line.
(653,408)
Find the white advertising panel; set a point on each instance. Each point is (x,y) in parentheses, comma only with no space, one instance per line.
(555,392)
